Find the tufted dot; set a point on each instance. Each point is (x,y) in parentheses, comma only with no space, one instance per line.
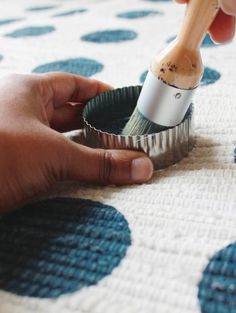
(41,8)
(31,31)
(143,77)
(116,35)
(217,288)
(206,43)
(138,14)
(59,246)
(80,66)
(210,76)
(170,39)
(10,20)
(71,12)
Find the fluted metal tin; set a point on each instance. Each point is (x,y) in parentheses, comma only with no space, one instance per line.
(106,115)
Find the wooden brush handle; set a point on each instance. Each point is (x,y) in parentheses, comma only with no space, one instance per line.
(180,64)
(198,18)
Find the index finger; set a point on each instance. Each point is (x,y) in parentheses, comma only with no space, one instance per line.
(59,88)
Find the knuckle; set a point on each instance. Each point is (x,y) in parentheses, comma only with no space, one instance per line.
(106,167)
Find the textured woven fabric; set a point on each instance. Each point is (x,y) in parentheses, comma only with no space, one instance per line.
(80,66)
(186,214)
(59,246)
(217,289)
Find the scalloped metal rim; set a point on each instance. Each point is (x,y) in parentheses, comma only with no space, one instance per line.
(165,148)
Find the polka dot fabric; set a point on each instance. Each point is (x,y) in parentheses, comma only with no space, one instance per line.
(59,246)
(79,66)
(166,246)
(31,31)
(41,8)
(107,36)
(218,285)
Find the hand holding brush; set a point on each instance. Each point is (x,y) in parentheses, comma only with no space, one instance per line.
(222,30)
(174,74)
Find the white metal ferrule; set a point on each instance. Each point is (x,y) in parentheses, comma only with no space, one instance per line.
(163,104)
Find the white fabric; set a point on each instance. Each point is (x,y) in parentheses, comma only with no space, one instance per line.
(186,212)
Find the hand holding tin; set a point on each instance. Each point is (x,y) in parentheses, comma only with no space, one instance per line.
(34,154)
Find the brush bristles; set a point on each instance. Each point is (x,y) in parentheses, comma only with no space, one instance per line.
(140,125)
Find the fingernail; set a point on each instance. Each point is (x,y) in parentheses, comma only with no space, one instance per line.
(228,6)
(141,169)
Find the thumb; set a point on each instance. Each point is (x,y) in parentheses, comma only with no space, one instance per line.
(106,166)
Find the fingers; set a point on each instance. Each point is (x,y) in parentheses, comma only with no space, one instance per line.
(228,6)
(60,88)
(223,28)
(105,166)
(67,117)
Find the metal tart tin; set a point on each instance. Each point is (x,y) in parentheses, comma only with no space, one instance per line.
(106,115)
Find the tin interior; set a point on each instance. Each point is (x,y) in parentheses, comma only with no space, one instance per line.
(110,111)
(106,115)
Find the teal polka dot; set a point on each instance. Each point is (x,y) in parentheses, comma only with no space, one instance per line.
(32,31)
(210,76)
(9,21)
(207,42)
(107,36)
(138,14)
(42,8)
(170,39)
(80,66)
(217,288)
(70,13)
(58,246)
(143,77)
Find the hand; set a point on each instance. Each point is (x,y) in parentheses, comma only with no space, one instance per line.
(223,27)
(33,156)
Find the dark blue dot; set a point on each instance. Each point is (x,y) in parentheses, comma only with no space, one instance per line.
(80,66)
(69,13)
(206,43)
(138,14)
(143,77)
(234,155)
(210,76)
(59,246)
(9,21)
(31,31)
(41,8)
(106,36)
(217,288)
(170,39)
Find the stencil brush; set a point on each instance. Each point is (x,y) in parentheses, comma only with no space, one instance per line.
(174,74)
